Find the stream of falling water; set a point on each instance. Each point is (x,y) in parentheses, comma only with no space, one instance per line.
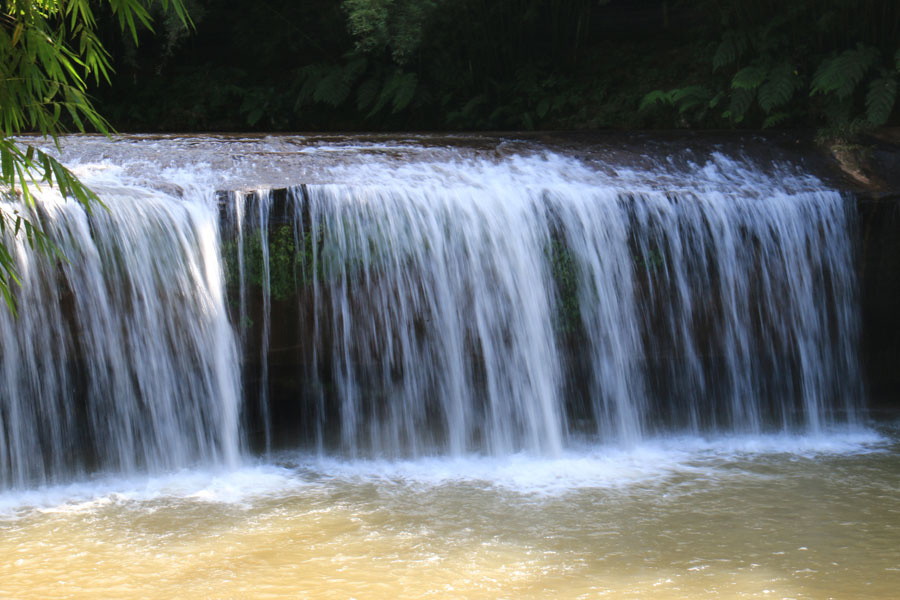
(497,307)
(517,374)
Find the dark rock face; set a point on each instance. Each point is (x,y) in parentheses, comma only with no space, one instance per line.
(870,172)
(879,279)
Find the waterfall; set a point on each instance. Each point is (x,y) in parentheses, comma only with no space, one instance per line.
(517,306)
(122,356)
(492,305)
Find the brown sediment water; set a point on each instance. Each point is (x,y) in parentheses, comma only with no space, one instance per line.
(746,517)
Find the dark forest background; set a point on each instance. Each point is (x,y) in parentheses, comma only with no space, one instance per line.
(303,65)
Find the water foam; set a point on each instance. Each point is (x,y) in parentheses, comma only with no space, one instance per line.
(646,467)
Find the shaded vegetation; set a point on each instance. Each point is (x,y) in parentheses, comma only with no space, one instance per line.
(512,64)
(821,62)
(291,261)
(564,271)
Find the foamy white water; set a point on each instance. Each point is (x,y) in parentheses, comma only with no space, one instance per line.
(646,468)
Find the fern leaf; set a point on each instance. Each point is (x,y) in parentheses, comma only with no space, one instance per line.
(398,90)
(897,60)
(367,93)
(653,98)
(778,88)
(729,50)
(741,101)
(774,119)
(471,105)
(749,78)
(334,88)
(405,90)
(690,97)
(843,73)
(310,76)
(880,99)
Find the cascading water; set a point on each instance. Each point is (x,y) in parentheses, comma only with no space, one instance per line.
(499,307)
(122,356)
(437,306)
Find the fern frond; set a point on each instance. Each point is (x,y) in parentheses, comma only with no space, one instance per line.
(749,78)
(331,89)
(741,101)
(368,92)
(843,73)
(778,88)
(690,97)
(774,119)
(730,49)
(653,98)
(397,90)
(334,88)
(897,60)
(880,99)
(405,91)
(311,76)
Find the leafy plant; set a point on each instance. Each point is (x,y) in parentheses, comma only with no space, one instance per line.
(48,51)
(773,68)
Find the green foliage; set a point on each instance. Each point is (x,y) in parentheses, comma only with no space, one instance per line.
(695,100)
(781,83)
(741,101)
(292,262)
(333,85)
(49,49)
(564,271)
(846,64)
(398,89)
(880,99)
(843,73)
(394,25)
(749,78)
(730,49)
(510,64)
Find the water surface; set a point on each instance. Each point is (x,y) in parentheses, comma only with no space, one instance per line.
(729,517)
